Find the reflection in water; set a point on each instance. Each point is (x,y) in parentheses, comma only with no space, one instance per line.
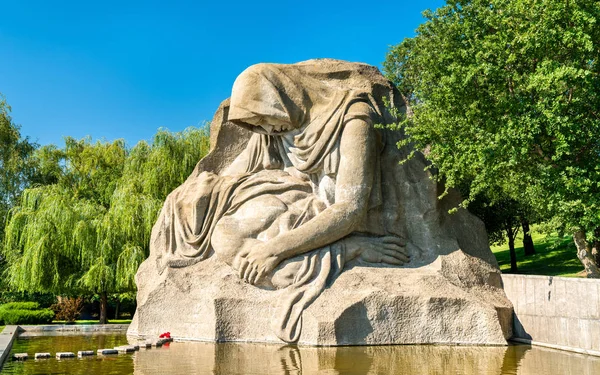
(550,361)
(68,343)
(237,358)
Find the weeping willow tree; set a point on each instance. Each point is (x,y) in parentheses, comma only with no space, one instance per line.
(150,174)
(16,166)
(88,230)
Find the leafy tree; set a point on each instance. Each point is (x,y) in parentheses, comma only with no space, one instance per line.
(16,165)
(505,95)
(16,168)
(503,218)
(88,229)
(150,174)
(52,238)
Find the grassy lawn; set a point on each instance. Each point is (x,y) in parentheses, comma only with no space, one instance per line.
(555,256)
(1,329)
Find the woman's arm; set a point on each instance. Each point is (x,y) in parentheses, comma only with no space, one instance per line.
(353,187)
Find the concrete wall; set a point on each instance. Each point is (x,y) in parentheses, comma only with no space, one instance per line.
(558,312)
(63,329)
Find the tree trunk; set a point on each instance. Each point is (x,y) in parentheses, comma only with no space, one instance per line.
(513,253)
(117,309)
(584,253)
(103,308)
(528,246)
(596,247)
(512,228)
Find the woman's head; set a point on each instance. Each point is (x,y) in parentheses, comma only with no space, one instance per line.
(264,96)
(272,98)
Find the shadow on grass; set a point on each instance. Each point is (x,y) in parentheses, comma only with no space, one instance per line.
(555,256)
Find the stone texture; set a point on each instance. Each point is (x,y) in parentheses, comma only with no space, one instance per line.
(7,337)
(42,355)
(20,356)
(85,353)
(61,355)
(389,306)
(125,349)
(563,315)
(157,343)
(449,292)
(107,351)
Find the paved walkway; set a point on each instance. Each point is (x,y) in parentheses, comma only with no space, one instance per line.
(6,340)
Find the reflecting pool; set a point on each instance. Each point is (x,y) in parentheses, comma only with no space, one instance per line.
(237,358)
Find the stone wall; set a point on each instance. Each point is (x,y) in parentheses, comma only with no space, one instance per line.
(7,337)
(558,312)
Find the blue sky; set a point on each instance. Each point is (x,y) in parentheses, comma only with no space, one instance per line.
(122,69)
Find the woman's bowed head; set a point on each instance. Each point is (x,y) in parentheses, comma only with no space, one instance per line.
(303,198)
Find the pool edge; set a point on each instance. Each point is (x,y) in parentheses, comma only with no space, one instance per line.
(7,337)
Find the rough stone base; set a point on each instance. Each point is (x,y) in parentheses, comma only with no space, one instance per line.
(458,299)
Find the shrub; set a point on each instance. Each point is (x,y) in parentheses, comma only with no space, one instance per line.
(13,316)
(68,308)
(20,306)
(44,299)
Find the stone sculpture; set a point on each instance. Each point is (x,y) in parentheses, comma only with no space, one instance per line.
(301,226)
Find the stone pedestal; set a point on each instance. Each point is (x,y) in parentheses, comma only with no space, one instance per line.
(458,299)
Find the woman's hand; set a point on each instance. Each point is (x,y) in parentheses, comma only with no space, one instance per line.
(257,264)
(385,249)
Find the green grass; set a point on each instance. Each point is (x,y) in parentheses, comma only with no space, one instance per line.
(1,329)
(555,256)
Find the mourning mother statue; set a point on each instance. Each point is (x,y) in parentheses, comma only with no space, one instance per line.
(309,195)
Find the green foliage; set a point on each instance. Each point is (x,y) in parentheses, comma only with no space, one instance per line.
(44,299)
(20,306)
(15,157)
(16,163)
(499,216)
(505,96)
(24,313)
(44,316)
(86,227)
(151,172)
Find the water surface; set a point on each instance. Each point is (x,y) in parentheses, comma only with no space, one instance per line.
(53,342)
(237,358)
